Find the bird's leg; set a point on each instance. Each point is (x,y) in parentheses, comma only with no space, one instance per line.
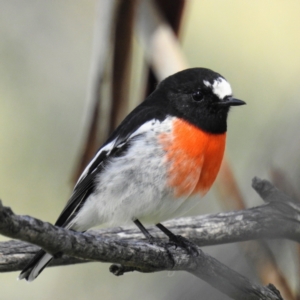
(144,230)
(178,240)
(151,239)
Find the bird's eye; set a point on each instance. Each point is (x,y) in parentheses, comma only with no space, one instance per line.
(198,96)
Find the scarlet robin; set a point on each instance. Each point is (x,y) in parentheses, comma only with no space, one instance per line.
(157,164)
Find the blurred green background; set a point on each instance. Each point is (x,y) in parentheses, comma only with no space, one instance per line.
(45,49)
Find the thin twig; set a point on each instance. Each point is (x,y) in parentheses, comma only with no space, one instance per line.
(134,255)
(103,33)
(258,252)
(253,223)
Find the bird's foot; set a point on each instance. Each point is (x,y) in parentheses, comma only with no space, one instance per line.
(180,241)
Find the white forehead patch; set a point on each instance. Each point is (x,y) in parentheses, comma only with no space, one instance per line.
(220,87)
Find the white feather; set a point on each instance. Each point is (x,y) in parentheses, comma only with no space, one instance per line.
(134,185)
(220,87)
(34,272)
(107,147)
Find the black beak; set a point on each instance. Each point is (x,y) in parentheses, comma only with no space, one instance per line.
(230,101)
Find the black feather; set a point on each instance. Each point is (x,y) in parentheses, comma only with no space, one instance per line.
(86,186)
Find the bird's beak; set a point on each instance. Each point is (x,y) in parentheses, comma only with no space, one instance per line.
(230,101)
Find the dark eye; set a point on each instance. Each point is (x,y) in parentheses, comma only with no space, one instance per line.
(198,96)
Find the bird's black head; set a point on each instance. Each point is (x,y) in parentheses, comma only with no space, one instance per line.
(201,97)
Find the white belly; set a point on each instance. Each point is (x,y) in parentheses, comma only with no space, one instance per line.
(134,186)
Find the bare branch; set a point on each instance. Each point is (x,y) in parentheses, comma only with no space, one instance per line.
(129,252)
(258,252)
(254,223)
(135,255)
(14,256)
(103,32)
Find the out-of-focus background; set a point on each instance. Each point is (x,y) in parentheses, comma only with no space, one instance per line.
(45,53)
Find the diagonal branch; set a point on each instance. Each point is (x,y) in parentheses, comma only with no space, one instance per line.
(133,253)
(137,255)
(249,224)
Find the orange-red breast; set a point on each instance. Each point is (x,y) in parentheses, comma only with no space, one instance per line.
(157,164)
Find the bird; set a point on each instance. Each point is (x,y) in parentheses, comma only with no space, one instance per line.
(157,164)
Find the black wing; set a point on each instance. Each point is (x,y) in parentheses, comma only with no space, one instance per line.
(120,141)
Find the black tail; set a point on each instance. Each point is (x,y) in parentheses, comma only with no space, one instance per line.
(36,266)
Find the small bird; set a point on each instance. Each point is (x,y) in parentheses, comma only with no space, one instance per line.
(157,164)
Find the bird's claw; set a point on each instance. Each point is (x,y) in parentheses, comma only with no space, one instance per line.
(180,241)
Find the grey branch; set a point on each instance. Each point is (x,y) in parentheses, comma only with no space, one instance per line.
(128,251)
